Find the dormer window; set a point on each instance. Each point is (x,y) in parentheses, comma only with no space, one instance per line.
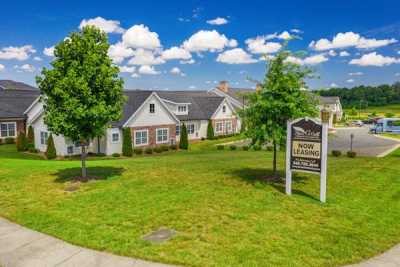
(152,108)
(224,109)
(182,109)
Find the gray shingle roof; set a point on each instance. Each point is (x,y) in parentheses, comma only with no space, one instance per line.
(328,99)
(202,103)
(13,85)
(13,103)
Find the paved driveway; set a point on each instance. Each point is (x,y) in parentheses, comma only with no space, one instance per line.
(364,144)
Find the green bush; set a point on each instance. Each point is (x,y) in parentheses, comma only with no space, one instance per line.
(270,148)
(351,154)
(138,151)
(158,149)
(1,141)
(127,143)
(220,147)
(9,140)
(22,142)
(164,148)
(148,150)
(183,142)
(210,130)
(116,155)
(232,147)
(257,147)
(31,136)
(245,148)
(173,147)
(389,115)
(51,152)
(33,150)
(336,153)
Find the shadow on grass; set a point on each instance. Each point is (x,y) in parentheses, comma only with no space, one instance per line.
(257,175)
(97,173)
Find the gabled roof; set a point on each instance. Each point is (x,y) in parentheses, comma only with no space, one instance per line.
(13,85)
(14,102)
(329,100)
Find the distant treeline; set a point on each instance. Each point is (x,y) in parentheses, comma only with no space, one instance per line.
(366,95)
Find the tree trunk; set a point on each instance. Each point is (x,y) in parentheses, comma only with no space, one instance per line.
(83,158)
(274,171)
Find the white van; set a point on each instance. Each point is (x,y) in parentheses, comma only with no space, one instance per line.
(386,125)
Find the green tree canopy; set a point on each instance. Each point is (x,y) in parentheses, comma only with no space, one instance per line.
(281,97)
(82,93)
(183,141)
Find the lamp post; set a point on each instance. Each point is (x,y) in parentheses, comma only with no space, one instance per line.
(351,141)
(325,115)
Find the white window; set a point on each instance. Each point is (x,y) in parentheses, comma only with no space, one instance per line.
(152,108)
(141,138)
(228,126)
(177,130)
(115,137)
(70,149)
(43,138)
(190,128)
(8,129)
(162,135)
(219,127)
(182,109)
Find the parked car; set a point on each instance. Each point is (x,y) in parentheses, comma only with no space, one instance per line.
(390,125)
(357,123)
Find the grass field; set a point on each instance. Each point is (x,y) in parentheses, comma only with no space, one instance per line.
(224,213)
(380,111)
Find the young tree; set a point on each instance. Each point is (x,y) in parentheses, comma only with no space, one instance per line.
(281,98)
(82,93)
(51,152)
(31,137)
(210,130)
(127,150)
(183,142)
(22,143)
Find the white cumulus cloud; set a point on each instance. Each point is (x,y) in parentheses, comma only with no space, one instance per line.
(108,26)
(25,68)
(145,57)
(374,59)
(358,73)
(333,85)
(18,53)
(344,54)
(148,70)
(218,21)
(37,59)
(235,56)
(176,53)
(127,69)
(188,62)
(349,39)
(259,45)
(140,36)
(208,41)
(177,71)
(311,60)
(118,52)
(2,67)
(49,51)
(350,81)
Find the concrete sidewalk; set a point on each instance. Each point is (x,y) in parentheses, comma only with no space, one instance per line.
(21,247)
(390,258)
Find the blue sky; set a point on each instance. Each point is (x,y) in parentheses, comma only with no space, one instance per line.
(355,42)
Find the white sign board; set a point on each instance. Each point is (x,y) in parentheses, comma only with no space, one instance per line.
(307,150)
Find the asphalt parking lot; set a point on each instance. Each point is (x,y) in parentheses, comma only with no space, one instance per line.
(364,143)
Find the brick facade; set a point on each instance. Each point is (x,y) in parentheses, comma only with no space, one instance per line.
(234,125)
(21,125)
(152,134)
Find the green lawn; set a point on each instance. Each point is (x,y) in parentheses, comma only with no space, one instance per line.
(380,111)
(224,213)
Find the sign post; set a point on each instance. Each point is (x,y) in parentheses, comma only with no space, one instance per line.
(307,150)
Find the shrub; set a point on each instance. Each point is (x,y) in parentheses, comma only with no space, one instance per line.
(9,140)
(116,155)
(51,152)
(33,150)
(232,147)
(183,142)
(389,115)
(148,150)
(31,136)
(22,142)
(1,141)
(158,149)
(351,154)
(138,151)
(220,147)
(210,130)
(173,147)
(245,148)
(270,148)
(336,153)
(164,148)
(257,147)
(127,143)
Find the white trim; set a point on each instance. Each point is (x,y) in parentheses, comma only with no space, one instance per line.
(175,103)
(224,102)
(163,142)
(134,137)
(15,129)
(143,105)
(115,131)
(222,129)
(31,106)
(37,116)
(225,95)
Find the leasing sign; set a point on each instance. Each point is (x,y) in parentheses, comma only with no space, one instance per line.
(306,144)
